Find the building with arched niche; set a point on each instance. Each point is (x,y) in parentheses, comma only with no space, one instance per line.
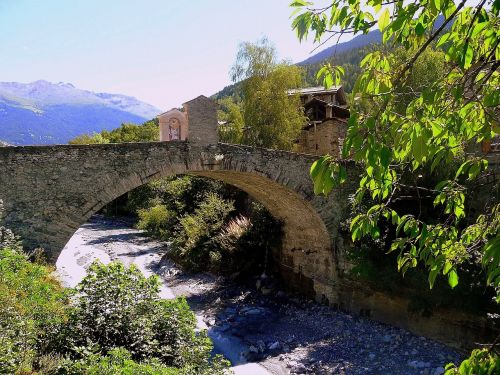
(197,122)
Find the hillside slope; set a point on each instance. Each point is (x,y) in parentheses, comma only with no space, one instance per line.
(47,113)
(373,37)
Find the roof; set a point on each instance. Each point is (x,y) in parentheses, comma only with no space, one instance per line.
(173,110)
(199,98)
(315,90)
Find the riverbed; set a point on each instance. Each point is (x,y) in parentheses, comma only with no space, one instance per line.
(274,333)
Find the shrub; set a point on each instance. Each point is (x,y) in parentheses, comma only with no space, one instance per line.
(157,221)
(32,306)
(118,362)
(192,242)
(117,307)
(480,362)
(247,243)
(230,235)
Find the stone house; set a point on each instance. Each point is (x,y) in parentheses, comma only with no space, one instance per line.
(196,122)
(327,112)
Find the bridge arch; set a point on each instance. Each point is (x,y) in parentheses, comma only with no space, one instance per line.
(49,191)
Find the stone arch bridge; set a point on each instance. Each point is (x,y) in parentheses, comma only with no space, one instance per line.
(50,191)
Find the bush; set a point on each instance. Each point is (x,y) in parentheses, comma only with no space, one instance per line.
(480,362)
(32,306)
(117,307)
(118,362)
(198,216)
(247,244)
(192,242)
(157,221)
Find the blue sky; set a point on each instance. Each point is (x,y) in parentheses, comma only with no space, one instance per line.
(160,51)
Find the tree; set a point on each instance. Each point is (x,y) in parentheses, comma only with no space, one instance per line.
(430,138)
(231,117)
(148,131)
(272,117)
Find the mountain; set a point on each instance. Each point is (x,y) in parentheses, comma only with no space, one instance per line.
(363,40)
(373,37)
(49,113)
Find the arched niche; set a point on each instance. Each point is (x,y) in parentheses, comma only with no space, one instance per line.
(173,126)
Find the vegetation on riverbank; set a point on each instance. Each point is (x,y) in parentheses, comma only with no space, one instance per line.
(211,226)
(113,322)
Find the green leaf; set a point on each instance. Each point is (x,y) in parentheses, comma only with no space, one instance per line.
(474,171)
(453,278)
(463,168)
(342,175)
(300,3)
(384,19)
(436,4)
(419,29)
(447,267)
(316,168)
(492,99)
(385,156)
(419,148)
(432,276)
(467,56)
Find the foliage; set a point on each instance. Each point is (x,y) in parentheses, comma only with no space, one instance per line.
(148,131)
(87,139)
(231,118)
(118,362)
(196,230)
(32,305)
(438,124)
(156,220)
(272,117)
(117,307)
(427,69)
(481,362)
(246,243)
(112,320)
(436,129)
(211,226)
(348,60)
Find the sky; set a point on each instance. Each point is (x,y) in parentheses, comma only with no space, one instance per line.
(162,52)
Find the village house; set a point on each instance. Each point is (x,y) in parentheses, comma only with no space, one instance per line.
(327,112)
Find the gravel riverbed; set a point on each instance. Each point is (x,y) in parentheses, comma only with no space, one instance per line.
(261,334)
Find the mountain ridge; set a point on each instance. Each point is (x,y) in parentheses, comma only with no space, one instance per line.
(373,37)
(42,112)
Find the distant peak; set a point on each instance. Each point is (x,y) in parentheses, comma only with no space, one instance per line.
(40,82)
(66,84)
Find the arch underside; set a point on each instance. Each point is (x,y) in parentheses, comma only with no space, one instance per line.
(306,247)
